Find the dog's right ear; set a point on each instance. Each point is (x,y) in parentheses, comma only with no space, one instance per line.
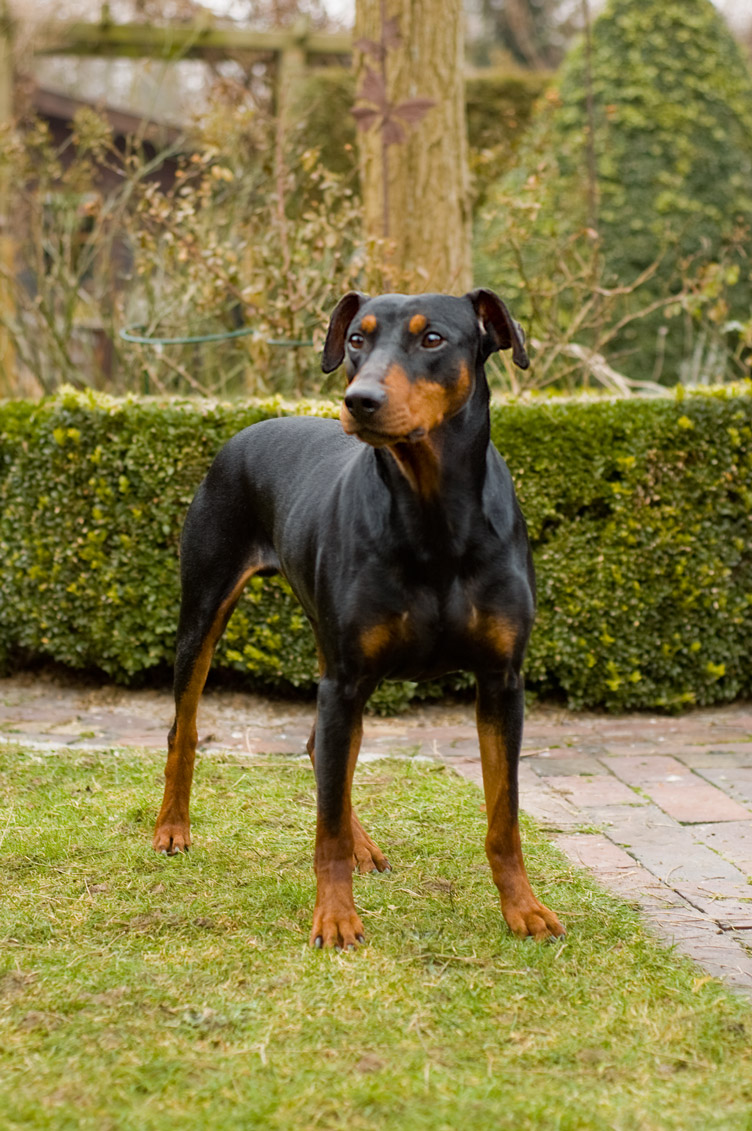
(334,346)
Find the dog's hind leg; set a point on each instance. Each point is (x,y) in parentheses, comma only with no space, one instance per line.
(367,856)
(216,562)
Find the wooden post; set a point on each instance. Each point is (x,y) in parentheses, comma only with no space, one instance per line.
(7,246)
(291,71)
(413,144)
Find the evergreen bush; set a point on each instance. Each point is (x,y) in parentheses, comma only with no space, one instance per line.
(644,143)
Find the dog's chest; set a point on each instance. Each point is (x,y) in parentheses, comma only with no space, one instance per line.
(435,633)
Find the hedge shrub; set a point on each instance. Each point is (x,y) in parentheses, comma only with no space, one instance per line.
(640,513)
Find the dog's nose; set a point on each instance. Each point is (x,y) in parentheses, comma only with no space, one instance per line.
(364,401)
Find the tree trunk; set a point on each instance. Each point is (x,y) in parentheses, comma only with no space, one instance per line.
(414,169)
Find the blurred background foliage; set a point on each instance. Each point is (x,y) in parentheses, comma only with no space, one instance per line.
(612,204)
(634,189)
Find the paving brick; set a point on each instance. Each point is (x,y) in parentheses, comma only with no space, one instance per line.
(549,809)
(715,757)
(641,770)
(680,792)
(668,850)
(728,904)
(738,720)
(595,851)
(633,748)
(615,868)
(735,780)
(532,744)
(546,736)
(732,839)
(547,754)
(273,746)
(145,738)
(594,792)
(692,801)
(626,823)
(529,782)
(574,763)
(445,736)
(462,747)
(719,953)
(618,871)
(471,770)
(622,732)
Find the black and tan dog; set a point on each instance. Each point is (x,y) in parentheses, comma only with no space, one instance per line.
(400,534)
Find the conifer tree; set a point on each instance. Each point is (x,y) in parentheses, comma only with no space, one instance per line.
(646,140)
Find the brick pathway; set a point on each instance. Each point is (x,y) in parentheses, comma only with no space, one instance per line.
(658,809)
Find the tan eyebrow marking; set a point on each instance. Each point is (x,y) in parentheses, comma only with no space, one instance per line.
(417,323)
(369,323)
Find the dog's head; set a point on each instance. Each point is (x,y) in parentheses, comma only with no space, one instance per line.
(412,361)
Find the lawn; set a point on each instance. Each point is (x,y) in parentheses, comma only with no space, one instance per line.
(141,992)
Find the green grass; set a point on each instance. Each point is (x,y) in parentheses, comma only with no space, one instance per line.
(140,992)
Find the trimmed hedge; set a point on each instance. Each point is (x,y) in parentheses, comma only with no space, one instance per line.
(640,514)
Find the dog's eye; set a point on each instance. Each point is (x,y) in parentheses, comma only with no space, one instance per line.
(355,341)
(431,340)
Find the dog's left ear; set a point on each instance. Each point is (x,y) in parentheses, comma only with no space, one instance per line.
(343,314)
(501,332)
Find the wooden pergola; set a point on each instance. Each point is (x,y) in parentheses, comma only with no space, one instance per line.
(291,52)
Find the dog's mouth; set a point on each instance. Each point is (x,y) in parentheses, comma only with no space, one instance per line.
(377,437)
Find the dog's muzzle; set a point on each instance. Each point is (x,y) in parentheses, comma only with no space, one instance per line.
(363,401)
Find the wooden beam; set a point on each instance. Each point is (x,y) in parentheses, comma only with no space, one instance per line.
(291,72)
(7,242)
(190,41)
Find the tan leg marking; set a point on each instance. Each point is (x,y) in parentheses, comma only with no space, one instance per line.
(524,913)
(336,923)
(367,856)
(376,639)
(172,833)
(495,630)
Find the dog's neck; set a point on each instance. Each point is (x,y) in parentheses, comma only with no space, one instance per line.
(436,483)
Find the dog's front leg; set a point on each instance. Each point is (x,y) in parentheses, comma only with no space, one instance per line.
(500,711)
(339,728)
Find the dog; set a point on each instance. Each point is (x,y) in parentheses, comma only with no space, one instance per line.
(400,534)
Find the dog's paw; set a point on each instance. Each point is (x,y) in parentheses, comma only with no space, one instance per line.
(172,837)
(367,856)
(532,919)
(338,927)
